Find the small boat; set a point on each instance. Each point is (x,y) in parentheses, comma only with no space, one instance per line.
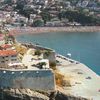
(68,54)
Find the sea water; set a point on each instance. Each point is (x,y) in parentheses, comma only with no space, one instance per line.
(84,47)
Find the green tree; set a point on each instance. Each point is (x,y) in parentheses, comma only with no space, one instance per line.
(41,64)
(38,23)
(37,52)
(47,53)
(98,4)
(8,1)
(79,16)
(46,16)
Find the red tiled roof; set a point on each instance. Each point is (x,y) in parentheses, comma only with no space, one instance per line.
(7,52)
(1,34)
(6,46)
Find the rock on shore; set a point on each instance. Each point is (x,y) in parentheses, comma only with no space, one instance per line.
(27,94)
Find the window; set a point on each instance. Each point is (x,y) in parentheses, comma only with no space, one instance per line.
(3,57)
(13,55)
(2,61)
(13,59)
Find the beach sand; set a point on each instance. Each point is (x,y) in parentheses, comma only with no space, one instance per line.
(33,30)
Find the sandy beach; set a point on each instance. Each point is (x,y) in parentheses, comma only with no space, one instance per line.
(33,30)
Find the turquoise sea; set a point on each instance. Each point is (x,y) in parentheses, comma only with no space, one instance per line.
(84,47)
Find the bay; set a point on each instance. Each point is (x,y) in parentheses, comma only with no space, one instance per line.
(84,47)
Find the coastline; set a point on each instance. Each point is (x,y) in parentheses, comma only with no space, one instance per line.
(84,81)
(35,30)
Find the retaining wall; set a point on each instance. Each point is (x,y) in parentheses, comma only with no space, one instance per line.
(37,80)
(51,57)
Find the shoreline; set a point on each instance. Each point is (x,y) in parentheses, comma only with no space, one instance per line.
(81,78)
(77,62)
(35,30)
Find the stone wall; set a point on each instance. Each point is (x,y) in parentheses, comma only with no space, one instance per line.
(51,57)
(33,79)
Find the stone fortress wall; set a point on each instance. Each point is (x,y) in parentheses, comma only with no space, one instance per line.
(33,79)
(51,57)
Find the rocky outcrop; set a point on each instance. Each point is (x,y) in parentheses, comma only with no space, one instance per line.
(21,94)
(27,94)
(61,96)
